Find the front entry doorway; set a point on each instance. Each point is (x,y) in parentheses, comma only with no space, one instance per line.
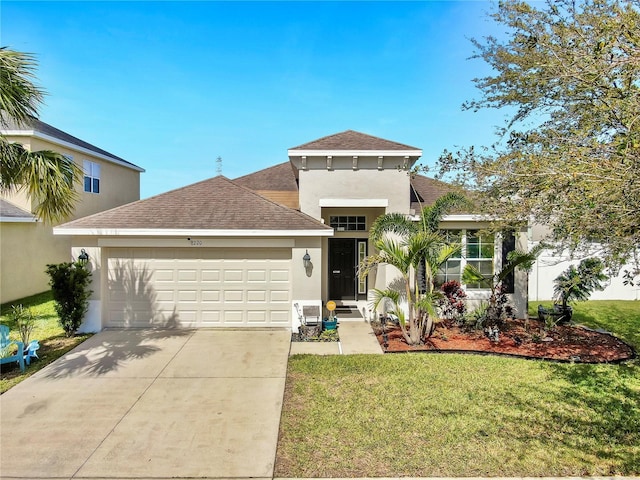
(344,255)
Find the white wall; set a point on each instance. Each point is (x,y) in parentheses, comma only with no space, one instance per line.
(550,265)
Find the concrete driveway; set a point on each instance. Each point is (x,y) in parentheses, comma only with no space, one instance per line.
(150,404)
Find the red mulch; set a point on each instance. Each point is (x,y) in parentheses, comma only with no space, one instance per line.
(520,338)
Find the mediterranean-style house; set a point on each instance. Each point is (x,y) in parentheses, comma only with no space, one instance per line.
(27,244)
(253,251)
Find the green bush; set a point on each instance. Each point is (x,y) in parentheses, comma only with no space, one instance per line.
(70,286)
(24,321)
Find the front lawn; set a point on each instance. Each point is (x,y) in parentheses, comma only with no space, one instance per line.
(53,343)
(464,415)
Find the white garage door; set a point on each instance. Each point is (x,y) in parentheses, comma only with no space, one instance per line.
(198,287)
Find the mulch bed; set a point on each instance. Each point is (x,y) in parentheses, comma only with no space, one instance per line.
(564,343)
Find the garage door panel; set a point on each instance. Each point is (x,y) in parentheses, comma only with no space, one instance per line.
(210,275)
(259,316)
(198,287)
(187,296)
(233,275)
(164,275)
(254,296)
(209,296)
(259,276)
(279,276)
(280,317)
(187,275)
(279,296)
(234,317)
(233,296)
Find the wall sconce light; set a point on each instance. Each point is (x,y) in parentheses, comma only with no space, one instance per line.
(83,258)
(306,260)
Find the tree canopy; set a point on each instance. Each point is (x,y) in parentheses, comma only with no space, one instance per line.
(568,74)
(48,177)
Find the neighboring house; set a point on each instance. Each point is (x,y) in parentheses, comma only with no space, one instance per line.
(232,253)
(27,244)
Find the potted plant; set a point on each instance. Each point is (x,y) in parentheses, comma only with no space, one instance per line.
(576,284)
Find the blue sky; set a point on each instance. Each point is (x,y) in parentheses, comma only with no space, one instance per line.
(170,86)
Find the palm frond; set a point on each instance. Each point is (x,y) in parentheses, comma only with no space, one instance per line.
(431,215)
(19,96)
(391,223)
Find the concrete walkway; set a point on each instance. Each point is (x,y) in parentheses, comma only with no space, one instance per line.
(150,404)
(356,337)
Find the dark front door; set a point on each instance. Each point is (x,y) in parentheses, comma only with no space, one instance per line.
(342,268)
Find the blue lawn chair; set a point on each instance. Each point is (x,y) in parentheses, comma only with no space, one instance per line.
(6,346)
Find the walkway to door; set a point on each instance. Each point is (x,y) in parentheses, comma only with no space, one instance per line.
(356,336)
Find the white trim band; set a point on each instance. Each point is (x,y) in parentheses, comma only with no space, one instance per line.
(354,202)
(352,153)
(154,232)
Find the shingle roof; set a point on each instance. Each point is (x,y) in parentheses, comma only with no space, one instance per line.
(425,191)
(9,210)
(352,140)
(281,177)
(51,131)
(213,204)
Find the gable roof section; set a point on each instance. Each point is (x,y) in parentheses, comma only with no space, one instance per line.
(216,206)
(425,191)
(281,177)
(44,131)
(12,213)
(351,140)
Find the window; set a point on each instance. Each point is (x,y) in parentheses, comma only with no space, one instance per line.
(452,268)
(477,250)
(91,177)
(479,253)
(348,224)
(362,254)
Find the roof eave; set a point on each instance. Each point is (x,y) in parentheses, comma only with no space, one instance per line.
(62,143)
(160,232)
(354,153)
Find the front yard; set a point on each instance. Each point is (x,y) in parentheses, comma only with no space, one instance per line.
(464,415)
(441,414)
(53,343)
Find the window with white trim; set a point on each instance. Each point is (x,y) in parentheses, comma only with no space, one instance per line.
(348,224)
(91,177)
(477,250)
(452,268)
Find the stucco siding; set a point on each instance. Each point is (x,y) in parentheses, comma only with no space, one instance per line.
(27,248)
(390,185)
(25,251)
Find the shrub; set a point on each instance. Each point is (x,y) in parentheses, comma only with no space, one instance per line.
(24,321)
(577,284)
(70,286)
(452,306)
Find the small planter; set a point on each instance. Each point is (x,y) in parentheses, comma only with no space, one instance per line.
(329,324)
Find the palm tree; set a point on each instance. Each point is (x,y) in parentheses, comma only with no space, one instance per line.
(430,217)
(516,259)
(406,255)
(48,177)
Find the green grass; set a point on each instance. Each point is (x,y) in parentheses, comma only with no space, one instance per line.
(464,415)
(621,317)
(47,330)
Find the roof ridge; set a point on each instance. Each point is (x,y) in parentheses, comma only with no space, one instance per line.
(354,133)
